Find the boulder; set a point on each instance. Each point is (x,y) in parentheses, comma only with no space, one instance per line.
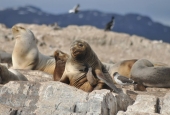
(6,110)
(51,98)
(135,113)
(165,104)
(36,75)
(144,103)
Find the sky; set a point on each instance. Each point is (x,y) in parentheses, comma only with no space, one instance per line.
(157,10)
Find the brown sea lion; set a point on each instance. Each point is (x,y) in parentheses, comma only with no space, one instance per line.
(144,72)
(82,54)
(90,81)
(80,78)
(26,55)
(122,67)
(7,75)
(60,61)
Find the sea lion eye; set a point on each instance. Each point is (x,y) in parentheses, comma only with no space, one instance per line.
(21,27)
(80,44)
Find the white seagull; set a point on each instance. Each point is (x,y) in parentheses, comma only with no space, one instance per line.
(75,9)
(122,80)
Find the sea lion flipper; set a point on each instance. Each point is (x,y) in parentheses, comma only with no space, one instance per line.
(99,85)
(64,79)
(108,80)
(91,79)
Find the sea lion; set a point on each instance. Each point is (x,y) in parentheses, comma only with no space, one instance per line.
(26,55)
(60,61)
(82,77)
(122,67)
(81,55)
(144,72)
(7,75)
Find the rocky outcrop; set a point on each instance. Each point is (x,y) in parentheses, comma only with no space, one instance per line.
(6,110)
(165,104)
(51,98)
(149,105)
(109,46)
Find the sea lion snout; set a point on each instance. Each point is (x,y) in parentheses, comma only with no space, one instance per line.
(15,29)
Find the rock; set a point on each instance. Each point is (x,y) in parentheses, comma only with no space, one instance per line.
(165,104)
(51,98)
(36,75)
(144,103)
(6,110)
(135,113)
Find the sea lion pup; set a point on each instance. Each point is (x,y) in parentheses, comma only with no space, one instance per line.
(82,54)
(7,75)
(144,72)
(60,61)
(26,55)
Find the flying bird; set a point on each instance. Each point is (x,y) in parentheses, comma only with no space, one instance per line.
(110,24)
(122,80)
(75,9)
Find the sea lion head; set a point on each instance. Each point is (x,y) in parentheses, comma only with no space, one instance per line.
(21,32)
(60,56)
(143,63)
(3,74)
(79,49)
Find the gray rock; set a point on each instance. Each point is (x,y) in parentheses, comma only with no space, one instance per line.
(165,104)
(135,113)
(52,98)
(6,110)
(144,103)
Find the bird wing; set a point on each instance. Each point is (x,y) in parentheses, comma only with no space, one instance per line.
(125,79)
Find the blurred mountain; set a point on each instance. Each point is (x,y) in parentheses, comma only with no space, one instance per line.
(130,23)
